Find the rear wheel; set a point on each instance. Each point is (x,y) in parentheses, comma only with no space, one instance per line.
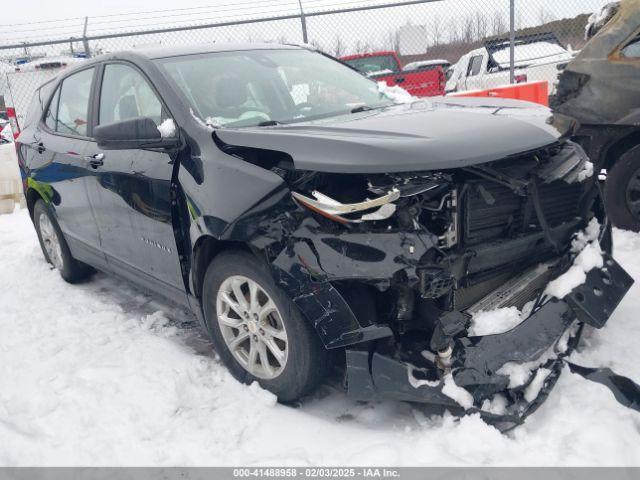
(258,332)
(622,191)
(55,248)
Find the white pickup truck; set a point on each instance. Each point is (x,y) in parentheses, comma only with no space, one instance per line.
(539,57)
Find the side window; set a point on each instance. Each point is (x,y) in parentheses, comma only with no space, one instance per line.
(632,50)
(125,95)
(72,115)
(51,117)
(475,64)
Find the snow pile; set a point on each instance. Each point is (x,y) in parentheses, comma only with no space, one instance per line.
(497,405)
(496,321)
(457,393)
(533,389)
(102,374)
(167,128)
(590,257)
(417,383)
(396,94)
(519,373)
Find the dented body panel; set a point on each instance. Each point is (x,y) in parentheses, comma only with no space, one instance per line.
(600,86)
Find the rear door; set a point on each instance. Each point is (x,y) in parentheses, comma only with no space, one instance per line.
(59,169)
(131,190)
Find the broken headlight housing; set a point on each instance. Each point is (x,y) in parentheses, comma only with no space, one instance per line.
(419,202)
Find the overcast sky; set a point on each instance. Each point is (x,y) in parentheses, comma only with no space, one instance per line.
(64,18)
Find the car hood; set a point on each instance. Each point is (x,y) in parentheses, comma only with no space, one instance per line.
(441,133)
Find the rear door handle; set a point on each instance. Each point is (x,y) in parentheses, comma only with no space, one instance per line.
(400,80)
(96,160)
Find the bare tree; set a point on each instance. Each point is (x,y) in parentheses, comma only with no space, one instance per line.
(315,43)
(544,16)
(467,29)
(362,47)
(480,25)
(436,30)
(392,41)
(498,23)
(454,31)
(339,47)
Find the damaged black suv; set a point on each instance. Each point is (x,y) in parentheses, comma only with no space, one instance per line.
(299,208)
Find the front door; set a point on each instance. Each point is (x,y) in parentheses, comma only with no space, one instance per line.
(131,189)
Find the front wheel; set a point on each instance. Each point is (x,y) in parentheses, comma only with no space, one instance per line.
(258,332)
(622,191)
(54,246)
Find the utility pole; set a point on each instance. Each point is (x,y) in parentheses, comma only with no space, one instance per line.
(303,21)
(512,41)
(85,41)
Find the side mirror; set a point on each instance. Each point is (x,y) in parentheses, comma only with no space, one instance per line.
(135,133)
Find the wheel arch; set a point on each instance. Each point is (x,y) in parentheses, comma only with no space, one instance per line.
(204,251)
(32,196)
(620,147)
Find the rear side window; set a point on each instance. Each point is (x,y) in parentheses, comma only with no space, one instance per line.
(126,94)
(69,109)
(51,117)
(474,66)
(632,50)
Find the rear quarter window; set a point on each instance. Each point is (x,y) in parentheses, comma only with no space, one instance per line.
(36,107)
(632,50)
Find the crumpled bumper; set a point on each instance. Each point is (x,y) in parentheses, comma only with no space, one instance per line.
(478,366)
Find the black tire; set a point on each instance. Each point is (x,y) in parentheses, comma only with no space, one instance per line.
(70,269)
(308,361)
(620,179)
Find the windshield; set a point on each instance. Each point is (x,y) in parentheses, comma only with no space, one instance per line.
(372,65)
(265,87)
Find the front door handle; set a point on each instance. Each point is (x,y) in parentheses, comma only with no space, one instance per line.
(400,80)
(96,160)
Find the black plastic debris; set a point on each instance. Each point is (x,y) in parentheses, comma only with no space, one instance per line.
(626,391)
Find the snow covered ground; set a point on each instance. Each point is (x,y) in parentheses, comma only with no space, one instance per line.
(102,374)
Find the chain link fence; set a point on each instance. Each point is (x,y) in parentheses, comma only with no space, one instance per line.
(418,31)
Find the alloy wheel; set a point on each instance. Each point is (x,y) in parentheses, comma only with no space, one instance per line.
(51,241)
(252,327)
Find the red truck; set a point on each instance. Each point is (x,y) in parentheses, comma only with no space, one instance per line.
(386,67)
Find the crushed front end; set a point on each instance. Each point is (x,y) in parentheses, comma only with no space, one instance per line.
(416,258)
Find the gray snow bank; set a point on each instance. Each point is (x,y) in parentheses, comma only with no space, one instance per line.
(101,374)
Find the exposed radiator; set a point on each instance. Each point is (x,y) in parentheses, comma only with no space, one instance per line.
(493,211)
